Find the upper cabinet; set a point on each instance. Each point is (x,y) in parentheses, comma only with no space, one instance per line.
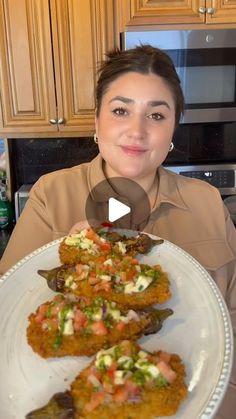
(49,52)
(151,12)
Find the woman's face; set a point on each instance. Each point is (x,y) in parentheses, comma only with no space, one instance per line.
(135,125)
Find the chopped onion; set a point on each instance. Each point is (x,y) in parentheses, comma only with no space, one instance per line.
(132,315)
(134,398)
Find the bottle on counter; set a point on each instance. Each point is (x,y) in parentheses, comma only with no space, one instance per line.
(6,213)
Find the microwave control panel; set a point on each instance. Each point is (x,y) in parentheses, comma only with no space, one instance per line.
(222,176)
(217,178)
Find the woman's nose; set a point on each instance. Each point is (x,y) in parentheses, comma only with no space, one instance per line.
(137,127)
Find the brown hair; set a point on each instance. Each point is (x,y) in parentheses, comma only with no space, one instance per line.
(142,59)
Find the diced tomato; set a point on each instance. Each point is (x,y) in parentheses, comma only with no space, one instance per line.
(121,395)
(95,371)
(111,370)
(50,324)
(123,276)
(79,268)
(166,371)
(127,347)
(80,320)
(165,356)
(96,400)
(120,326)
(103,286)
(100,259)
(91,235)
(108,386)
(91,370)
(93,280)
(57,307)
(92,273)
(99,328)
(105,246)
(132,388)
(132,260)
(42,310)
(131,274)
(81,271)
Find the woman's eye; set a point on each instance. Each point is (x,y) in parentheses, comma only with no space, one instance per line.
(119,111)
(156,116)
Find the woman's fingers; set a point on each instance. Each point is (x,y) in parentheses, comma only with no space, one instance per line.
(84,224)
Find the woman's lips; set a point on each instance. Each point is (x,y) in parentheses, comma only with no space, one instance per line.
(133,151)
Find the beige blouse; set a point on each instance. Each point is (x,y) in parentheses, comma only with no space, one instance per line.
(188,212)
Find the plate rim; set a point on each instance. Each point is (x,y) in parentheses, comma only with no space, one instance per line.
(217,395)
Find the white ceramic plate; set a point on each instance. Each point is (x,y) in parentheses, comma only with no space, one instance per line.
(199,331)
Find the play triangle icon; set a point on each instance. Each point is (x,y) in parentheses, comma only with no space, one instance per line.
(116,209)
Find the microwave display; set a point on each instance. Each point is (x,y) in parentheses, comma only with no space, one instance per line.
(205,61)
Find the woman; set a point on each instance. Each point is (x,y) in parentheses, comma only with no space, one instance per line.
(139,104)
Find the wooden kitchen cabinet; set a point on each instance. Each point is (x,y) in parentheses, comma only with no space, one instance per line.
(152,12)
(49,52)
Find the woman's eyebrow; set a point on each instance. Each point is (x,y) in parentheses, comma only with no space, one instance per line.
(122,99)
(158,103)
(152,103)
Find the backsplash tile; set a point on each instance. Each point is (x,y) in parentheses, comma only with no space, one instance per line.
(32,158)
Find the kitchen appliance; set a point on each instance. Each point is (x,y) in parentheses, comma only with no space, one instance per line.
(205,141)
(21,197)
(206,63)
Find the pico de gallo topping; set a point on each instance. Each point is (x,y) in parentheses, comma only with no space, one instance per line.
(82,316)
(117,273)
(120,374)
(89,240)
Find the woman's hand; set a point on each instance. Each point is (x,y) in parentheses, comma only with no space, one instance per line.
(84,224)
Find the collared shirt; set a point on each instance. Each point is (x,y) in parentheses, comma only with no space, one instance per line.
(188,212)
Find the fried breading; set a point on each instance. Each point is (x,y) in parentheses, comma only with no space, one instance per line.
(157,292)
(96,393)
(62,327)
(73,253)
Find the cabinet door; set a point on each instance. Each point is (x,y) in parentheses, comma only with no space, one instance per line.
(221,11)
(82,32)
(27,91)
(151,12)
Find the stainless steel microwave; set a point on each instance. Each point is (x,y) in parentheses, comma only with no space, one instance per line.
(205,61)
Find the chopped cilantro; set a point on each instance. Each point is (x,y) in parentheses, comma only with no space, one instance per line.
(109,321)
(49,312)
(117,352)
(160,381)
(139,377)
(57,342)
(98,301)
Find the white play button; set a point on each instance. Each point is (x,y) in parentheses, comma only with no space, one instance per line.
(116,209)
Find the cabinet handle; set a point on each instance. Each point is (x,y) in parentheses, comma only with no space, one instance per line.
(53,121)
(202,9)
(60,121)
(210,10)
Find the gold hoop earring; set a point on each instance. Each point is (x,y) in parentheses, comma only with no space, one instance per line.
(171,147)
(95,138)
